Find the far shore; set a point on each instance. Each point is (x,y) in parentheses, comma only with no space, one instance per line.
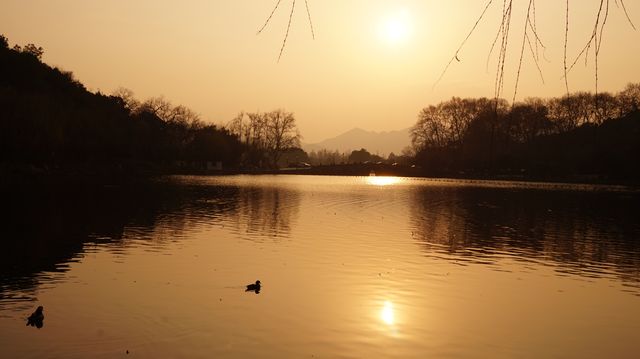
(107,174)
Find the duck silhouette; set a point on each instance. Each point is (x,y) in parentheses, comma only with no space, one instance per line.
(255,287)
(36,318)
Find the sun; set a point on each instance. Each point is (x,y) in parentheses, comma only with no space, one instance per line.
(395,28)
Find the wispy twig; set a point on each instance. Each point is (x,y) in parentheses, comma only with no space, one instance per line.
(566,40)
(624,8)
(286,35)
(455,56)
(525,38)
(270,16)
(313,35)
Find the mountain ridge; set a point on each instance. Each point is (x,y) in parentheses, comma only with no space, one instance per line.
(381,143)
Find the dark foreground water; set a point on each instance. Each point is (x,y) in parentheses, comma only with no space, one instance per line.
(351,267)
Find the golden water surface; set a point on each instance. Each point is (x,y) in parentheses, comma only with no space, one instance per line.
(351,267)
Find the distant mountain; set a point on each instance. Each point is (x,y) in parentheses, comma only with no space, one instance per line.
(381,143)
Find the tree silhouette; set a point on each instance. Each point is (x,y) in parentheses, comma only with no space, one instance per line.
(33,50)
(580,133)
(49,120)
(282,134)
(267,134)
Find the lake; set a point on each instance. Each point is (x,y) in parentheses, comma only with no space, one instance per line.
(351,267)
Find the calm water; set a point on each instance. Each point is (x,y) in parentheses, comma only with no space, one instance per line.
(351,267)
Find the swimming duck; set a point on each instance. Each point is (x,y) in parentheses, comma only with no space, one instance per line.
(36,318)
(255,287)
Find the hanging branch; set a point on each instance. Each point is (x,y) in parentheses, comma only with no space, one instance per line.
(495,40)
(269,18)
(534,29)
(599,44)
(624,8)
(525,37)
(506,26)
(566,40)
(535,59)
(455,56)
(531,38)
(286,35)
(592,41)
(533,25)
(313,35)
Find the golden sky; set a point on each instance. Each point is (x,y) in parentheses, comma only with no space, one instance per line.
(373,63)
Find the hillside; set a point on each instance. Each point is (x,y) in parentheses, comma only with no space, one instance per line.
(48,119)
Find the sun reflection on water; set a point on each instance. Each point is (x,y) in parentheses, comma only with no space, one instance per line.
(387,314)
(382,180)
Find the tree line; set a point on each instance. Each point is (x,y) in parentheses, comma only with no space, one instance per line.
(49,119)
(324,157)
(266,135)
(580,133)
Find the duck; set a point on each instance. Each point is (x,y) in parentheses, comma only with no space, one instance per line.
(36,318)
(255,287)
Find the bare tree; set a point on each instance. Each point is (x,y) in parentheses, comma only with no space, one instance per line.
(158,106)
(268,134)
(281,134)
(431,130)
(527,120)
(448,123)
(604,106)
(256,130)
(564,112)
(629,99)
(184,116)
(128,98)
(235,126)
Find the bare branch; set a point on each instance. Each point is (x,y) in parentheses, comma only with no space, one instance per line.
(590,42)
(269,18)
(525,37)
(313,35)
(624,8)
(506,19)
(534,30)
(535,59)
(566,38)
(495,41)
(455,56)
(284,41)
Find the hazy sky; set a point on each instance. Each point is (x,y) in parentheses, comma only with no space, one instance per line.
(372,65)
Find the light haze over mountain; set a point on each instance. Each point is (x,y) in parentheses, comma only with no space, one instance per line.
(381,143)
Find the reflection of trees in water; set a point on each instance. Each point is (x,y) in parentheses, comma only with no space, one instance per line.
(47,227)
(586,232)
(264,212)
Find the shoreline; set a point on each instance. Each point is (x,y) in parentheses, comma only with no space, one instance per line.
(110,174)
